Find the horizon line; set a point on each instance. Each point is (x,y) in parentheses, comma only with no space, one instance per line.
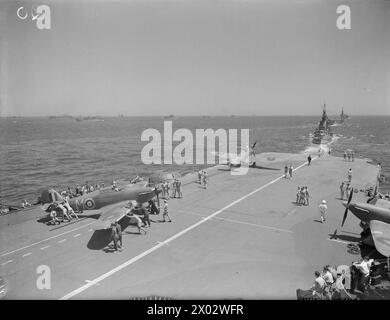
(179,115)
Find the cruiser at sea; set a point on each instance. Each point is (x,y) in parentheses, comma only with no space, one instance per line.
(323,132)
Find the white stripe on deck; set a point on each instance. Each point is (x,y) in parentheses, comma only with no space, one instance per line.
(45,247)
(88,281)
(4,263)
(235,221)
(177,235)
(76,235)
(26,254)
(61,241)
(35,243)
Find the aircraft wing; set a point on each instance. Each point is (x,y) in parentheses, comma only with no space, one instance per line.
(380,232)
(385,204)
(111,214)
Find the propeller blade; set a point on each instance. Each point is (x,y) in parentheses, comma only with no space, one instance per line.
(345,216)
(376,190)
(350,196)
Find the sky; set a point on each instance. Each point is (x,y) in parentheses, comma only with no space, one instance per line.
(195,58)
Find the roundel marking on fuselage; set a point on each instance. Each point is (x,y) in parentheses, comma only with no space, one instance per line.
(89,203)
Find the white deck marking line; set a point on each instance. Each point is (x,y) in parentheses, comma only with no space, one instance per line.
(76,235)
(90,230)
(61,241)
(255,225)
(47,239)
(88,281)
(175,236)
(45,247)
(26,254)
(292,212)
(235,221)
(4,263)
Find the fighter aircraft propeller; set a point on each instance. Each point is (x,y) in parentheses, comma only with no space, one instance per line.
(346,208)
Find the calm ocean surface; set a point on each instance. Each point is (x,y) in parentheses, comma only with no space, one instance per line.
(40,152)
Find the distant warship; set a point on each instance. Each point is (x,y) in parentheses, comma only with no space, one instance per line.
(343,116)
(94,118)
(323,132)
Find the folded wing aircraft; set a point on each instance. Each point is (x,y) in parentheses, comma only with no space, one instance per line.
(234,159)
(376,219)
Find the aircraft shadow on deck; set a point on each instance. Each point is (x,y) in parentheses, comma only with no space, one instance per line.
(47,219)
(101,238)
(344,237)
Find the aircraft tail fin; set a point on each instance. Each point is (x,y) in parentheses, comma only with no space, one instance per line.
(49,196)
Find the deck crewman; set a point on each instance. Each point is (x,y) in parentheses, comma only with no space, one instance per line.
(302,196)
(165,211)
(145,213)
(178,186)
(174,188)
(131,215)
(323,208)
(298,200)
(153,208)
(162,186)
(166,184)
(307,196)
(318,285)
(364,269)
(114,236)
(119,231)
(205,179)
(68,207)
(290,171)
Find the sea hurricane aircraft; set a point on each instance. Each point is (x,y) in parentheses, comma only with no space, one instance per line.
(234,160)
(375,222)
(109,204)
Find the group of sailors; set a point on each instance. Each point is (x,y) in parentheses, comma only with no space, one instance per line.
(349,155)
(203,178)
(345,190)
(322,151)
(26,204)
(141,215)
(60,210)
(80,190)
(339,283)
(175,186)
(4,209)
(302,196)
